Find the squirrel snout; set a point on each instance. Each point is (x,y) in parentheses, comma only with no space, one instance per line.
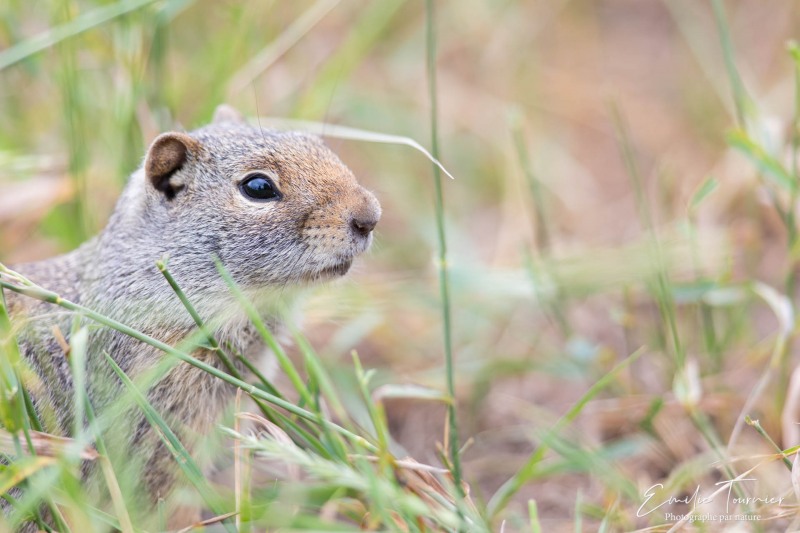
(364,220)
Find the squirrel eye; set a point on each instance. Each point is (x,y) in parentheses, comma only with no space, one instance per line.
(259,187)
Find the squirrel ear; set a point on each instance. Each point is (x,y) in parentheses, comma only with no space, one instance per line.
(227,113)
(165,157)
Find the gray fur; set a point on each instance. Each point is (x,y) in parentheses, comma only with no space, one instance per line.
(305,237)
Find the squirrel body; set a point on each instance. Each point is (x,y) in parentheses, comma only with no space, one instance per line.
(277,209)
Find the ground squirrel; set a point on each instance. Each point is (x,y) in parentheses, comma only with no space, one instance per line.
(278,209)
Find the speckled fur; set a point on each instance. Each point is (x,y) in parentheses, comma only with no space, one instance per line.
(305,237)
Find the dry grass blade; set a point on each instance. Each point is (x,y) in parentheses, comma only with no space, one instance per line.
(207,522)
(270,54)
(796,476)
(22,470)
(273,430)
(353,134)
(408,463)
(276,433)
(46,445)
(237,465)
(419,480)
(782,307)
(678,526)
(790,415)
(409,391)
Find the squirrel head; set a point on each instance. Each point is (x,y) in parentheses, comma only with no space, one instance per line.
(277,208)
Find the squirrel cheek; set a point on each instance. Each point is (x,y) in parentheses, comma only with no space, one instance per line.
(320,231)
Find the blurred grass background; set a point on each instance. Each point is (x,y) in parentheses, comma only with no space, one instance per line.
(600,206)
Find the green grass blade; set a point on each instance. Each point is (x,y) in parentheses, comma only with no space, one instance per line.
(262,60)
(373,21)
(740,97)
(9,360)
(114,489)
(77,358)
(272,343)
(764,162)
(34,291)
(376,414)
(83,23)
(661,283)
(533,514)
(444,282)
(212,341)
(504,494)
(182,456)
(708,186)
(315,369)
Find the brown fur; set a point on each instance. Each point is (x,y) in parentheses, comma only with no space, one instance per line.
(186,204)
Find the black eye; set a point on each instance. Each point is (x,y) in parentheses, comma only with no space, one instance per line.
(260,187)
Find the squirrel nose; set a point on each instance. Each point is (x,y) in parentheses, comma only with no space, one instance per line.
(364,219)
(363,226)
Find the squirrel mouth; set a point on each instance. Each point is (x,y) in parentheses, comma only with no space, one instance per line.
(333,271)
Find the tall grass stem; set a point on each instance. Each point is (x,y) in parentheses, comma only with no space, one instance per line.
(444,283)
